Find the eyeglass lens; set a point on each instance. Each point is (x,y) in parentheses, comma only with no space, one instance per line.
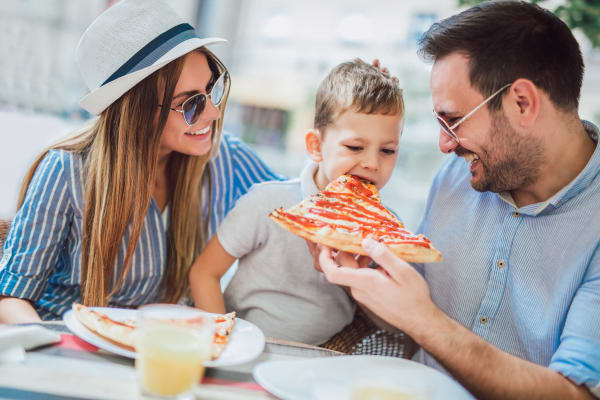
(445,128)
(194,106)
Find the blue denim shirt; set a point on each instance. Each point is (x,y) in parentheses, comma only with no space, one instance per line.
(527,280)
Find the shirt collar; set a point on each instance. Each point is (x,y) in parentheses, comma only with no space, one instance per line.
(573,188)
(307,179)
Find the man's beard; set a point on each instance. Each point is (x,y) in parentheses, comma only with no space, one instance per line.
(510,161)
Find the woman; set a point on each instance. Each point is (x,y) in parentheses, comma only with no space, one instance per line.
(116,214)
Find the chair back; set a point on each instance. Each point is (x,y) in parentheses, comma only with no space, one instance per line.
(362,336)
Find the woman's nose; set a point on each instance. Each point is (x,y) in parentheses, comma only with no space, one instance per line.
(446,143)
(211,112)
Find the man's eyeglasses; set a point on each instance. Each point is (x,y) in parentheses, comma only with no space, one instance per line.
(193,107)
(449,130)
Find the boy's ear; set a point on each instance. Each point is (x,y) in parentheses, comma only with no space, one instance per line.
(312,140)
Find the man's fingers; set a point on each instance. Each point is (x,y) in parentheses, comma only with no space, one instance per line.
(340,275)
(364,261)
(314,252)
(346,259)
(385,258)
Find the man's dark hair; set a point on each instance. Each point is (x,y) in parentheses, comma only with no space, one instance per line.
(508,40)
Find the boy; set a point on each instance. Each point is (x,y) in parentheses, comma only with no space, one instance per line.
(358,122)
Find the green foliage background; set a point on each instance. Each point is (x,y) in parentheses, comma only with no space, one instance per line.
(581,14)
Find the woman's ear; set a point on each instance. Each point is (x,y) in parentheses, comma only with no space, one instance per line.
(312,140)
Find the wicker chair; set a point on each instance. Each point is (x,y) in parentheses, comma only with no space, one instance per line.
(4,225)
(362,336)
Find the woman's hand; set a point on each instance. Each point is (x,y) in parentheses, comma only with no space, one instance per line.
(17,311)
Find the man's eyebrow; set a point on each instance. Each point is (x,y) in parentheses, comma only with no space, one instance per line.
(448,113)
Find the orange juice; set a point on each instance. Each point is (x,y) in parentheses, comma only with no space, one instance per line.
(170,359)
(379,393)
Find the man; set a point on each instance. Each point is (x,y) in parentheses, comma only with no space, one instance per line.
(513,311)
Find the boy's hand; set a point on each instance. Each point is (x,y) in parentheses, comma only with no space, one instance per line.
(383,70)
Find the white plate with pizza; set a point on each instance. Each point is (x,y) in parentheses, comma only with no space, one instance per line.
(356,377)
(244,342)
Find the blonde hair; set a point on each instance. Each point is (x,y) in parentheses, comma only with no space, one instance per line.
(120,149)
(357,86)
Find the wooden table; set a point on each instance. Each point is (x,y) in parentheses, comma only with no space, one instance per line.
(74,369)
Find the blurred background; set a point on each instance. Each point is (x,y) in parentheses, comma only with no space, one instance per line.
(277,54)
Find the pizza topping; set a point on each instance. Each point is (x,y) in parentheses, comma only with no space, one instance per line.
(126,324)
(355,186)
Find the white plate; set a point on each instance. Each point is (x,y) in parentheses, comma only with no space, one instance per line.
(334,378)
(245,344)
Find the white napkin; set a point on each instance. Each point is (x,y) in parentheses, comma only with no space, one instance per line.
(15,339)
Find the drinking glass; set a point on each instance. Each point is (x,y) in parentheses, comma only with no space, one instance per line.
(172,343)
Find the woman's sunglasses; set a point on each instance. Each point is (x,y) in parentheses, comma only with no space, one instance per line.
(193,107)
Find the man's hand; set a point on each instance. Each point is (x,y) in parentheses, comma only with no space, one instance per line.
(341,257)
(394,291)
(384,70)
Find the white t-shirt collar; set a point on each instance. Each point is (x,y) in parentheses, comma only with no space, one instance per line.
(307,179)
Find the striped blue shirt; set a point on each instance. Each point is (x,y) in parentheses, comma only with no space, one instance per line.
(527,280)
(42,252)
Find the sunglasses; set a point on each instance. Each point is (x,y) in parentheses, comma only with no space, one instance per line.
(194,106)
(449,130)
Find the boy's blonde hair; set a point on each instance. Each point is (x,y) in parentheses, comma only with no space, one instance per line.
(359,87)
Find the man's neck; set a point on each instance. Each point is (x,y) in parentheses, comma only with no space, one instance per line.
(568,154)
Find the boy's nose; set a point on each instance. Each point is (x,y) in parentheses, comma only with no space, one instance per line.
(371,162)
(446,143)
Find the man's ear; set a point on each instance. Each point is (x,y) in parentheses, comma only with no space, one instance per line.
(312,140)
(526,102)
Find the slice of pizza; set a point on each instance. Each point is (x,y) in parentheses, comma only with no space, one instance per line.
(346,212)
(223,327)
(122,333)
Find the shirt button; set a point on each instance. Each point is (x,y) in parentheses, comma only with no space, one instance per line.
(483,320)
(516,214)
(500,264)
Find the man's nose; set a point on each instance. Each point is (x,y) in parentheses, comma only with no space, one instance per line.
(446,143)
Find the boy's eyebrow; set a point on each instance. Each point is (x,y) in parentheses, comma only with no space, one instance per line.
(361,140)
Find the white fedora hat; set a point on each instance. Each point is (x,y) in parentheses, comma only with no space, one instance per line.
(128,42)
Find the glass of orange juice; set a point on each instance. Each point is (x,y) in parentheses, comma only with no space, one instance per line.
(172,343)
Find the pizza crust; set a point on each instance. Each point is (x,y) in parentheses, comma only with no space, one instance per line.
(118,333)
